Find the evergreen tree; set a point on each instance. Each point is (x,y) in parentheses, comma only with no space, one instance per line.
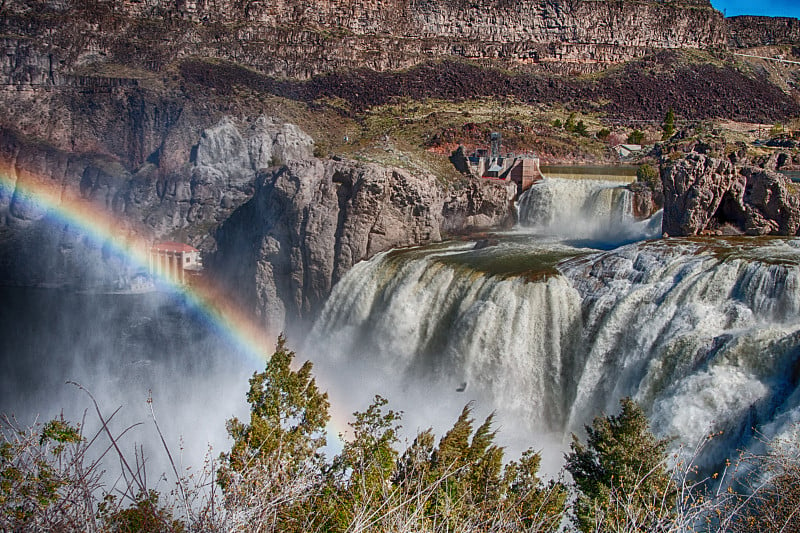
(540,506)
(620,474)
(358,482)
(668,125)
(635,137)
(569,125)
(276,462)
(288,413)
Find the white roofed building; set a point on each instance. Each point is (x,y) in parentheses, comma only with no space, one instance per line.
(174,261)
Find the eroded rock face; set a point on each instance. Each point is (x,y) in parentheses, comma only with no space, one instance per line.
(298,38)
(292,225)
(749,31)
(149,202)
(310,221)
(707,195)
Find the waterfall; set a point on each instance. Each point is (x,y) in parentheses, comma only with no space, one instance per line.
(704,333)
(433,316)
(585,209)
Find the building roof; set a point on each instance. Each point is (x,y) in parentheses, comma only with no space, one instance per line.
(630,147)
(173,247)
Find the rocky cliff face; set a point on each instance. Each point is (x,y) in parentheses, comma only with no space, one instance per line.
(290,225)
(750,32)
(707,195)
(298,39)
(311,221)
(137,107)
(183,199)
(208,175)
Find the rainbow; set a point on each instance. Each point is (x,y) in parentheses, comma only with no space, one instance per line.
(250,338)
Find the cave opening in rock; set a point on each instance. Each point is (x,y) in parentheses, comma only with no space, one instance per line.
(729,216)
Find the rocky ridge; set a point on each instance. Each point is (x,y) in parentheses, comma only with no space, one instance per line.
(299,39)
(706,195)
(751,32)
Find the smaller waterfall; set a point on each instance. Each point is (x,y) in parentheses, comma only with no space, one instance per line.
(595,210)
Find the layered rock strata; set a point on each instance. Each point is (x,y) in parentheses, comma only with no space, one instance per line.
(751,32)
(299,39)
(708,195)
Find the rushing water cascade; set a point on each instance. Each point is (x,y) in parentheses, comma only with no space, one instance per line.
(584,209)
(705,333)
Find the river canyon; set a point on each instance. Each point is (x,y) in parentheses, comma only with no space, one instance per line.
(315,155)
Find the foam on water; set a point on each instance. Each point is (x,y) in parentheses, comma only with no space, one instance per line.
(705,333)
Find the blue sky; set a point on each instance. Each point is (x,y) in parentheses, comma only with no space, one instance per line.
(772,8)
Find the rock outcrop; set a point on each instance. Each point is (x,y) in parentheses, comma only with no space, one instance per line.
(310,221)
(750,32)
(707,195)
(647,199)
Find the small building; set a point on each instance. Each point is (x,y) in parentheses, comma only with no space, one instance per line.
(522,169)
(494,170)
(627,150)
(525,172)
(175,261)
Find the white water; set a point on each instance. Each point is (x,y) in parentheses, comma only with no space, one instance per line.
(704,333)
(584,209)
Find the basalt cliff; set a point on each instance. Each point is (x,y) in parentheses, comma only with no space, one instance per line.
(299,38)
(263,133)
(279,225)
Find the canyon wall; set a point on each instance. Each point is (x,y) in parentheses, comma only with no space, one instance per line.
(277,225)
(309,222)
(299,39)
(749,32)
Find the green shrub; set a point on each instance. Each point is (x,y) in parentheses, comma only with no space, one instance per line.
(649,175)
(620,473)
(668,126)
(635,137)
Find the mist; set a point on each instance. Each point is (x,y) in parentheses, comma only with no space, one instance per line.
(125,349)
